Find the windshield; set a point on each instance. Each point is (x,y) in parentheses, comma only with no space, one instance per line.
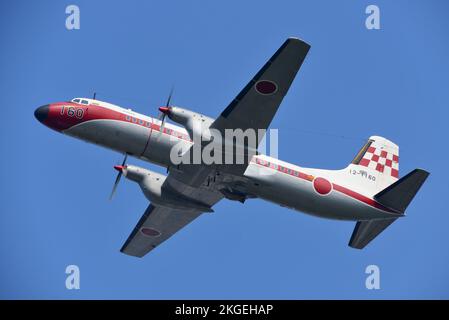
(80,100)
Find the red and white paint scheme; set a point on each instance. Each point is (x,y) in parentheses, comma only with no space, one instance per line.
(367,191)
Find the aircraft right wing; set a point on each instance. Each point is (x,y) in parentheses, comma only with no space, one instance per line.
(257,103)
(253,108)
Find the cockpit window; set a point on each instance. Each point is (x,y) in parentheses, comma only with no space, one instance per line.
(76,100)
(84,102)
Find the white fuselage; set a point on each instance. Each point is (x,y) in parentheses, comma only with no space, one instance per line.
(325,193)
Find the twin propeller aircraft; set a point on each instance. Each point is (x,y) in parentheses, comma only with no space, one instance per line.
(367,191)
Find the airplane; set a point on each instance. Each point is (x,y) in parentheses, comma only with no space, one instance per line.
(368,191)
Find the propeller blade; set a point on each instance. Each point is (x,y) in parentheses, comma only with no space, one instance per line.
(119,176)
(124,160)
(165,109)
(169,96)
(117,180)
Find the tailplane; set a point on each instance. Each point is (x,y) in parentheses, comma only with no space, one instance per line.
(365,231)
(397,196)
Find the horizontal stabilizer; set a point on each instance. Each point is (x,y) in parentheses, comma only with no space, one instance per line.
(365,231)
(399,195)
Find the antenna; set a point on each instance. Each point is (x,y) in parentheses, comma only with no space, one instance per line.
(95,94)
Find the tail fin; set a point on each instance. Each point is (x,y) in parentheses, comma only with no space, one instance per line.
(397,197)
(378,158)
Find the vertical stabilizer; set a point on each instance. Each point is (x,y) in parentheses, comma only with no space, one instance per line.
(379,159)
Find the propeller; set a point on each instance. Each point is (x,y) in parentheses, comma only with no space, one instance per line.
(119,175)
(165,110)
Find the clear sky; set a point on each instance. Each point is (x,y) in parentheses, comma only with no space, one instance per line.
(354,83)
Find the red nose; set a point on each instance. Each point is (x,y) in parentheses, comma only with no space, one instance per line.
(41,113)
(164,110)
(119,168)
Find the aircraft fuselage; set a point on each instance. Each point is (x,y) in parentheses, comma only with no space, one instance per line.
(325,193)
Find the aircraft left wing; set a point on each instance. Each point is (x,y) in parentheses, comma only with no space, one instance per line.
(155,226)
(159,223)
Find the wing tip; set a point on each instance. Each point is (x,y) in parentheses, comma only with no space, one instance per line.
(298,40)
(124,251)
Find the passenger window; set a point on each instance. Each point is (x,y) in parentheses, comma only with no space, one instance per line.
(76,100)
(84,102)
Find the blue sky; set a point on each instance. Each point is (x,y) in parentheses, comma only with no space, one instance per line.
(354,83)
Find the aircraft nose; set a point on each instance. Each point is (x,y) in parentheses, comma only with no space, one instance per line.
(41,113)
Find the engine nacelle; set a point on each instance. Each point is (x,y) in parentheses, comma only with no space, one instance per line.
(149,181)
(195,123)
(152,185)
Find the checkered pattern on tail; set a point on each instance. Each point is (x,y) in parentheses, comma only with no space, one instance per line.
(375,167)
(381,160)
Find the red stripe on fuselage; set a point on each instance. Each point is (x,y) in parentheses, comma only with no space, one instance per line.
(64,115)
(362,198)
(60,117)
(301,175)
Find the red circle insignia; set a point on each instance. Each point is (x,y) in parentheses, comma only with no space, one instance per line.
(322,186)
(266,87)
(150,232)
